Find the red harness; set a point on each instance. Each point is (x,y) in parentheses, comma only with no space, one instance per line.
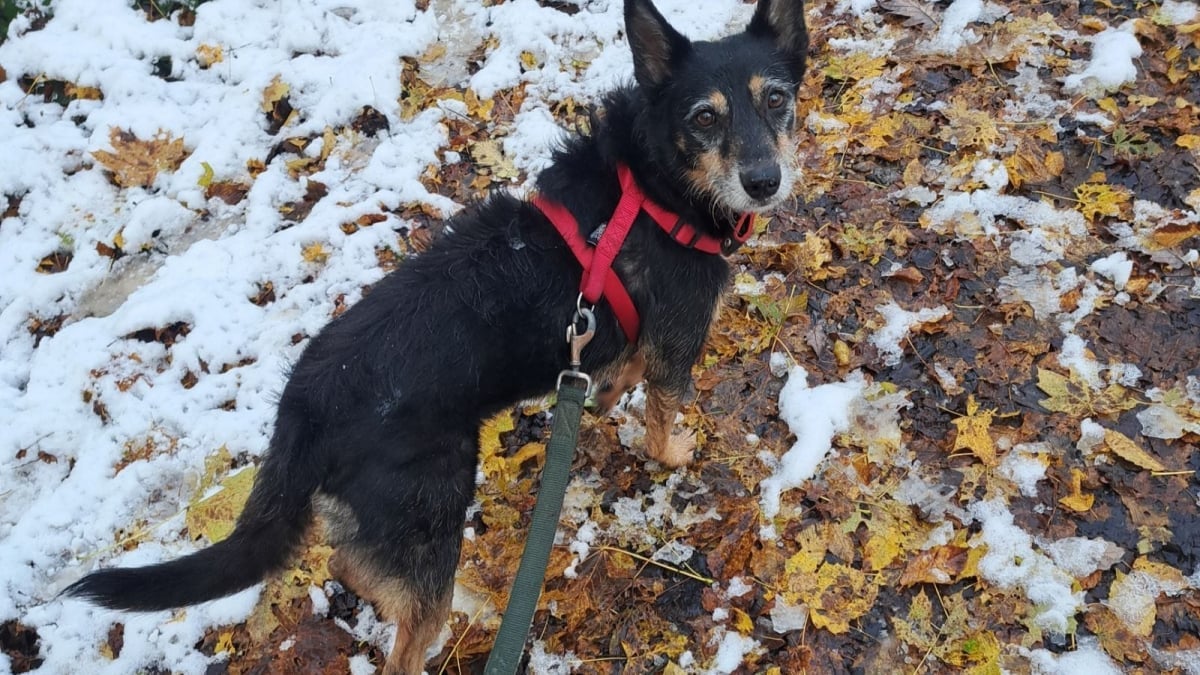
(599,278)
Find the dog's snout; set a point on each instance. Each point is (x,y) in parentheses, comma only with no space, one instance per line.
(760,180)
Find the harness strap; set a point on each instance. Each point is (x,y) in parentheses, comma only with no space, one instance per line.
(610,286)
(599,280)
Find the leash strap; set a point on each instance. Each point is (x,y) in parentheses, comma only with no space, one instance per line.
(527,588)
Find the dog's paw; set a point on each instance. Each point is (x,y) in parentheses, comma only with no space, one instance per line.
(680,449)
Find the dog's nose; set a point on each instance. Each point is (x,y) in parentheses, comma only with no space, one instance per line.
(760,180)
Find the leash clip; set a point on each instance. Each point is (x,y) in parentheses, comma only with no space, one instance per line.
(578,338)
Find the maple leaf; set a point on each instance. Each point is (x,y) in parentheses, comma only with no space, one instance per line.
(1073,396)
(1097,200)
(136,163)
(973,432)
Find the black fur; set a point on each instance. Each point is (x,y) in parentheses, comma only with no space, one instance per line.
(383,409)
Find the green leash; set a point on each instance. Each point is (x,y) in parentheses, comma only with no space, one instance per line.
(527,587)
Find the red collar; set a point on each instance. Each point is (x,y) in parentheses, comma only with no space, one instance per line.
(599,279)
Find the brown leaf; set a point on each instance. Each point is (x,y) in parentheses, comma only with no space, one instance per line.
(940,565)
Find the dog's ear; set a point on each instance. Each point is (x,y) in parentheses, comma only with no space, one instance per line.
(782,22)
(655,44)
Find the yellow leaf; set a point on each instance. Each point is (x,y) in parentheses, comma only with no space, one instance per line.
(1071,395)
(274,92)
(880,551)
(742,622)
(83,93)
(1108,105)
(1124,447)
(1096,200)
(119,239)
(225,643)
(491,452)
(214,516)
(436,51)
(206,178)
(528,60)
(1142,101)
(315,253)
(135,162)
(973,432)
(207,55)
(489,155)
(1189,141)
(854,66)
(1077,500)
(841,594)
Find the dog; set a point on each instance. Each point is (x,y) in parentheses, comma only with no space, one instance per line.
(378,425)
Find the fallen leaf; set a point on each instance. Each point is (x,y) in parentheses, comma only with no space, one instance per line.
(1125,448)
(973,432)
(135,162)
(214,517)
(1077,500)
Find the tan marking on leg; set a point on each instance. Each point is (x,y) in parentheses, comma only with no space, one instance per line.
(661,445)
(417,619)
(632,372)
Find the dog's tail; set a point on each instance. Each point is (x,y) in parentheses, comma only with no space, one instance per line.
(273,522)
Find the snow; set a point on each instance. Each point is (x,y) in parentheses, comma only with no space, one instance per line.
(1087,658)
(953,33)
(1012,562)
(1116,267)
(814,415)
(1112,63)
(1173,13)
(785,617)
(733,648)
(1024,467)
(898,322)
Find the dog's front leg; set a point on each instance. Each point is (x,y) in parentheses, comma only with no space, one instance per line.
(662,403)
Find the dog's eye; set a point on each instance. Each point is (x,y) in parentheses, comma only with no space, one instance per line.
(704,119)
(776,99)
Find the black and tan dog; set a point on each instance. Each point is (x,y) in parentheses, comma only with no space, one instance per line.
(378,425)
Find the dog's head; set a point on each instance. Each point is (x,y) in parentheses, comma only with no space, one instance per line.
(721,114)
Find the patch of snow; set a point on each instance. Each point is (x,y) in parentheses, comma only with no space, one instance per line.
(814,415)
(1090,435)
(1116,268)
(543,663)
(1075,356)
(1024,467)
(360,664)
(785,617)
(953,33)
(1012,562)
(1112,63)
(898,322)
(731,652)
(1080,556)
(1174,13)
(780,363)
(1088,658)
